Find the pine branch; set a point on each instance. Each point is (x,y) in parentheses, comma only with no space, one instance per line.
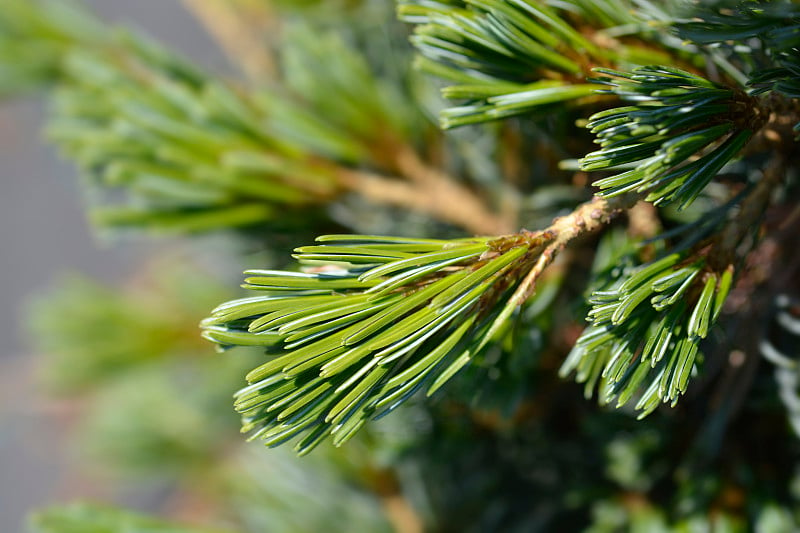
(508,58)
(646,330)
(775,21)
(766,35)
(495,51)
(647,325)
(378,318)
(367,321)
(192,154)
(682,130)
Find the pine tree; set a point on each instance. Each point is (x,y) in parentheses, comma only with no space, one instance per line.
(647,149)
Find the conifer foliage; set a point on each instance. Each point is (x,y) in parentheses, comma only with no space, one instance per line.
(649,149)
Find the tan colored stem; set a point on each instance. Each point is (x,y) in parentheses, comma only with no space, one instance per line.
(402,516)
(587,218)
(240,29)
(459,202)
(643,221)
(590,216)
(428,191)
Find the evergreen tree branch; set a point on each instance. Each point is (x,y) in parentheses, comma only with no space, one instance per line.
(508,58)
(766,38)
(775,21)
(682,130)
(530,63)
(648,323)
(585,219)
(241,28)
(374,319)
(646,330)
(193,154)
(366,322)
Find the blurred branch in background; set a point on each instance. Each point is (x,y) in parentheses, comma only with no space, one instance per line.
(243,29)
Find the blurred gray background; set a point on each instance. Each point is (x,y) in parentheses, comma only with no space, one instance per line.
(44,235)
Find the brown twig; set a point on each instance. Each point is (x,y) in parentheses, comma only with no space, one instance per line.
(240,29)
(588,217)
(402,516)
(428,191)
(643,221)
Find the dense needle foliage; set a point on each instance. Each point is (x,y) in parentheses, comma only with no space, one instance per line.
(486,200)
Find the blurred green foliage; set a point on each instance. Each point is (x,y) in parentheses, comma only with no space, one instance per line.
(88,518)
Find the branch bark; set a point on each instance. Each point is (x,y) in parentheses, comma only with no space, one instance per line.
(588,217)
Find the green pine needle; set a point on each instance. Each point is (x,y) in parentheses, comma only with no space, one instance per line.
(506,58)
(369,322)
(190,154)
(646,330)
(677,137)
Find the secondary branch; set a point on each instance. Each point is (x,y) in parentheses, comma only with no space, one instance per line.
(586,218)
(430,192)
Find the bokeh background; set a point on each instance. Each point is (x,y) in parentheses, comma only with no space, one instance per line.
(44,236)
